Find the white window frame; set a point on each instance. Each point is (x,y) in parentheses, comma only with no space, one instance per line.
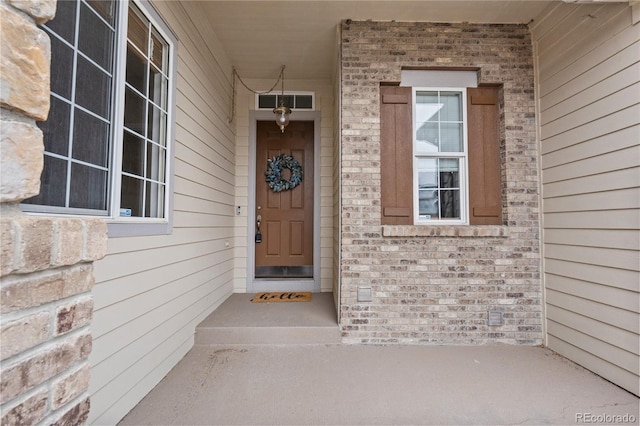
(130,226)
(462,156)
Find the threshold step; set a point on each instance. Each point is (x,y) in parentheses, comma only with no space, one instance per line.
(238,321)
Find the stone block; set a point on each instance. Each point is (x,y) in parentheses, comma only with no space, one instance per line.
(24,333)
(36,242)
(40,10)
(33,290)
(74,315)
(69,387)
(25,56)
(7,246)
(28,412)
(95,239)
(26,291)
(68,242)
(21,159)
(77,279)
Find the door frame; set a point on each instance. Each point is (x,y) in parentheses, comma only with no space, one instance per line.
(254,284)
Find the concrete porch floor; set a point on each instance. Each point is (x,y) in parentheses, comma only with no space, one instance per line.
(233,376)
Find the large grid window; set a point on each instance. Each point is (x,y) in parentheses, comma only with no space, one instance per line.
(107,137)
(440,155)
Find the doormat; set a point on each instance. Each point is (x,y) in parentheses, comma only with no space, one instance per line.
(282,296)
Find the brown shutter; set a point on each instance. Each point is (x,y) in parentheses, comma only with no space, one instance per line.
(485,204)
(396,155)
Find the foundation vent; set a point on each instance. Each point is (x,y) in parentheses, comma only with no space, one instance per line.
(496,318)
(365,294)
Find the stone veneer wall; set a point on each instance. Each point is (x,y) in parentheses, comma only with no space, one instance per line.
(436,284)
(45,263)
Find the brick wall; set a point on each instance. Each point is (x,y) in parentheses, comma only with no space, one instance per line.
(45,263)
(436,284)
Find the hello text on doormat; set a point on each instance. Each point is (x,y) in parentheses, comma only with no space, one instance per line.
(284,296)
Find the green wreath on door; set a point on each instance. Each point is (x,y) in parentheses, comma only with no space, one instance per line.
(274,177)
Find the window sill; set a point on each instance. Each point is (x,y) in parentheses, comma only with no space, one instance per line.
(473,231)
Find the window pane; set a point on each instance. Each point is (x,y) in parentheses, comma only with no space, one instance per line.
(449,177)
(62,72)
(428,204)
(427,138)
(93,88)
(156,157)
(451,137)
(133,154)
(427,173)
(104,8)
(157,125)
(134,111)
(267,101)
(449,170)
(159,50)
(136,69)
(95,39)
(138,31)
(158,87)
(53,183)
(154,205)
(427,187)
(88,188)
(427,106)
(64,23)
(56,128)
(131,195)
(304,102)
(90,139)
(450,204)
(451,106)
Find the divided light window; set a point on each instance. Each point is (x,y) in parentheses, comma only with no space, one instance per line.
(440,155)
(292,100)
(107,135)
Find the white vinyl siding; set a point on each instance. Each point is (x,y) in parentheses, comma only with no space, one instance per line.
(152,291)
(588,75)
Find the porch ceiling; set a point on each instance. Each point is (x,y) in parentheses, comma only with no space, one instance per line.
(261,35)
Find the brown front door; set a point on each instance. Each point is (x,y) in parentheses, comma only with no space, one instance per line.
(284,235)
